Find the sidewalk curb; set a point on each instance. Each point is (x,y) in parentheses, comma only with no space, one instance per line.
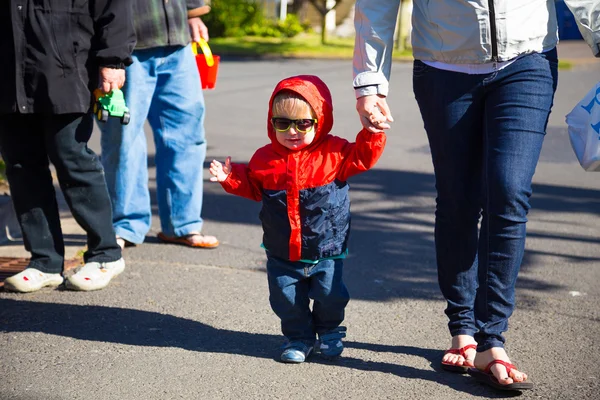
(9,225)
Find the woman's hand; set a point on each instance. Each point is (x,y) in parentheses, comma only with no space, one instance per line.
(374,112)
(219,171)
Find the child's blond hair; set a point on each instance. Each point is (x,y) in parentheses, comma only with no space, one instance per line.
(288,102)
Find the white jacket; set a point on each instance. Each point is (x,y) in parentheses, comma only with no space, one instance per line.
(461,32)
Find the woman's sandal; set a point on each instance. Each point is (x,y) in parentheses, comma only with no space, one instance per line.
(487,377)
(461,369)
(187,241)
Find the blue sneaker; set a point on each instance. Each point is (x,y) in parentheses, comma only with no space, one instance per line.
(295,352)
(330,343)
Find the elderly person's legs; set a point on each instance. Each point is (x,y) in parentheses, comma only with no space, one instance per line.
(28,142)
(177,120)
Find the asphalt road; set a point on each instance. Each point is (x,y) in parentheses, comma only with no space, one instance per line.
(196,324)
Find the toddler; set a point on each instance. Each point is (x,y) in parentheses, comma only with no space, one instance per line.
(300,177)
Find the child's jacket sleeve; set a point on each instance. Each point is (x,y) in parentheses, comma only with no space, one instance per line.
(241,183)
(362,155)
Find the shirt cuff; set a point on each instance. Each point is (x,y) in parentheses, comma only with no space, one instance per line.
(362,91)
(197,12)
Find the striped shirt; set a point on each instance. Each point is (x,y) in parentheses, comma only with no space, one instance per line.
(160,23)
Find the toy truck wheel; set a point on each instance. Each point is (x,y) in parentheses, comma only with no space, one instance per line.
(102,115)
(125,118)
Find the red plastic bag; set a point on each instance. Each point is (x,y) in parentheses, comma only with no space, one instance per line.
(208,64)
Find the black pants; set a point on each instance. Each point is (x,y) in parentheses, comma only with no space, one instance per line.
(27,144)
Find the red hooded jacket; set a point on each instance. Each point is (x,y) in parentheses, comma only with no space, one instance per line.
(306,208)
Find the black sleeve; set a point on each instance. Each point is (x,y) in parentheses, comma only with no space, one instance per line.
(114,32)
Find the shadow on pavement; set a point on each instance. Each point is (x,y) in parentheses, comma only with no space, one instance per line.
(391,242)
(152,329)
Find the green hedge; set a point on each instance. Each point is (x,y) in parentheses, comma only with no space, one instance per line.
(236,18)
(2,170)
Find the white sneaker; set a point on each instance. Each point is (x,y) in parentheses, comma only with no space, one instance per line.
(31,280)
(94,275)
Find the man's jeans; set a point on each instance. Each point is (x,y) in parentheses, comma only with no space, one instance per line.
(27,143)
(293,284)
(485,133)
(162,86)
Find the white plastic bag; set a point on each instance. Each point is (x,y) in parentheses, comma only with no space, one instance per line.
(584,130)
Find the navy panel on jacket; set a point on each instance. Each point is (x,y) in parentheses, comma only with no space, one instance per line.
(325,218)
(275,222)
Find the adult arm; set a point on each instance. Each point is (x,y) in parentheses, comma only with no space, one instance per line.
(375,23)
(198,29)
(196,8)
(362,155)
(114,34)
(587,16)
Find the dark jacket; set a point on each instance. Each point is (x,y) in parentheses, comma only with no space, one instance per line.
(52,50)
(306,208)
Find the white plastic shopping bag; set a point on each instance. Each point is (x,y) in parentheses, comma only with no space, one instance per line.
(584,130)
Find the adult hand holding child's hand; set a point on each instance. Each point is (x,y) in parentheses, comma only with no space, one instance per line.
(374,112)
(219,171)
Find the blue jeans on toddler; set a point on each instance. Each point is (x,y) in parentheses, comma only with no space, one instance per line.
(293,284)
(485,133)
(162,86)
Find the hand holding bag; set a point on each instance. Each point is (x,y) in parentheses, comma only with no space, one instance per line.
(584,130)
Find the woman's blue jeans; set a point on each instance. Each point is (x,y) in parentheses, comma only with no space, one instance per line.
(485,133)
(293,284)
(162,86)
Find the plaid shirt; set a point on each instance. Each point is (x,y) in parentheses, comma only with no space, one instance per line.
(161,23)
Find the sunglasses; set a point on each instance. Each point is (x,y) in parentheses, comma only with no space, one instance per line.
(284,124)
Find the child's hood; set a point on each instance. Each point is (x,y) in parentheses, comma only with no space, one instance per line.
(317,94)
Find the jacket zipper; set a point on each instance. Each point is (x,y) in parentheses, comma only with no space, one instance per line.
(493,32)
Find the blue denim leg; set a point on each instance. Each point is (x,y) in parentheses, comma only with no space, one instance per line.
(289,287)
(124,151)
(518,105)
(177,119)
(293,284)
(162,86)
(329,293)
(451,105)
(485,134)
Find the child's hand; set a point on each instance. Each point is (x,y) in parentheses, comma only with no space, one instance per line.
(218,171)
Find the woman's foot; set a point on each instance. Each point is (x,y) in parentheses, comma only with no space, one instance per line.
(454,358)
(483,359)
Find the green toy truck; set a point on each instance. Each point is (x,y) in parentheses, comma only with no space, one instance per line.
(110,104)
